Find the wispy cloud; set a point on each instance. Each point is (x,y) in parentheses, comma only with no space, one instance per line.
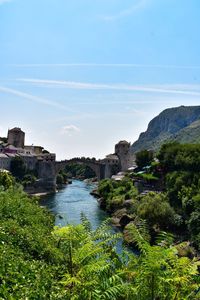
(4,1)
(32,98)
(70,130)
(137,6)
(162,89)
(105,65)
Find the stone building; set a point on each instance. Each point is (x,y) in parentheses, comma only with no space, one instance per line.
(111,159)
(111,162)
(47,157)
(120,161)
(122,150)
(34,149)
(31,155)
(16,137)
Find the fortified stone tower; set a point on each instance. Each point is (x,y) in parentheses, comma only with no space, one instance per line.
(16,137)
(122,150)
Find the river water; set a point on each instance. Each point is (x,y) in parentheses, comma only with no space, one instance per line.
(69,202)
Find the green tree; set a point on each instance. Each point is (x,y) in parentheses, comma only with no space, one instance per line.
(6,180)
(144,158)
(105,188)
(184,157)
(80,170)
(59,179)
(28,179)
(156,209)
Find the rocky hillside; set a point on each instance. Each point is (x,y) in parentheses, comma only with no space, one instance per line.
(180,124)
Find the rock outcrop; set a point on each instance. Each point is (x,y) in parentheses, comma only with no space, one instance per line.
(180,124)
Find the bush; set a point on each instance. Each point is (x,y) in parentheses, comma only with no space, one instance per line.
(114,193)
(6,180)
(115,203)
(156,210)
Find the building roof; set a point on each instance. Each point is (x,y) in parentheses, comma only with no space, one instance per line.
(123,142)
(33,146)
(11,147)
(16,129)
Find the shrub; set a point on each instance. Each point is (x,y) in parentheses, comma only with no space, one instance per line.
(156,210)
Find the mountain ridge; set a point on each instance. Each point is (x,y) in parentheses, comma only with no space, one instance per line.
(180,124)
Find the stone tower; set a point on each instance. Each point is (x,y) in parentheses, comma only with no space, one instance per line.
(122,150)
(16,137)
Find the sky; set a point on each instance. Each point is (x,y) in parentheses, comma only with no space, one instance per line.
(79,76)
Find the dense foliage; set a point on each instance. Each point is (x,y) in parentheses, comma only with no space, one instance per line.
(61,178)
(180,157)
(79,171)
(6,180)
(75,170)
(152,207)
(38,261)
(114,193)
(181,168)
(144,158)
(175,206)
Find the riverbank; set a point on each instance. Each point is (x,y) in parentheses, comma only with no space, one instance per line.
(150,212)
(39,192)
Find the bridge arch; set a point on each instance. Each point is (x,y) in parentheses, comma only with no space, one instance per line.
(96,166)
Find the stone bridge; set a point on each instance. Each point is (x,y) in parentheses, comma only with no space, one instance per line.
(48,170)
(96,165)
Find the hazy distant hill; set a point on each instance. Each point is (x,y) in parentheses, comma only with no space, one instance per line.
(178,124)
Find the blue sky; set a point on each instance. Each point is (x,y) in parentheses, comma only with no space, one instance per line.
(78,76)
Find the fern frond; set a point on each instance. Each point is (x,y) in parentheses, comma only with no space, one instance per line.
(164,239)
(85,222)
(143,228)
(112,293)
(134,235)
